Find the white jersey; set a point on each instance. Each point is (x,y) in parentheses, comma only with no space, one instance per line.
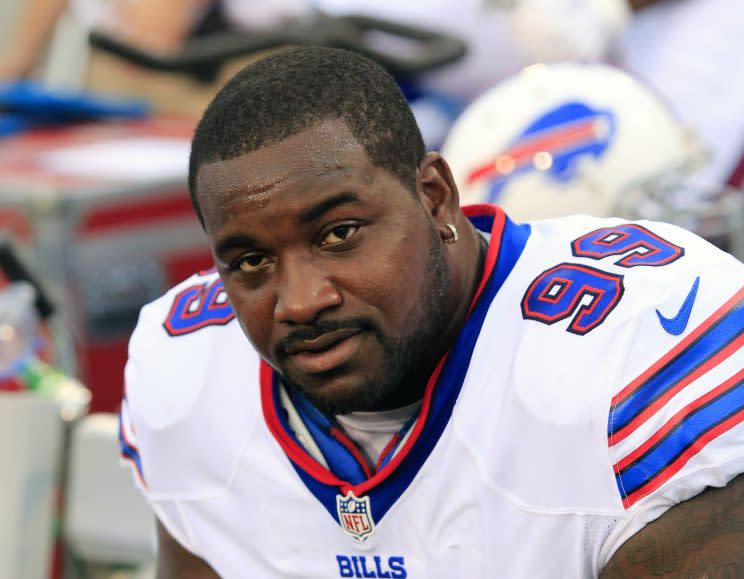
(598,381)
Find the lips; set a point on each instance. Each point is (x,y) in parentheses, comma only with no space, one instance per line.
(326,352)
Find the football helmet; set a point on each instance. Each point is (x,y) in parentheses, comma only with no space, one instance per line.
(570,138)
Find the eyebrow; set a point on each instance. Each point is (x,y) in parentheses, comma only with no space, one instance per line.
(320,209)
(232,242)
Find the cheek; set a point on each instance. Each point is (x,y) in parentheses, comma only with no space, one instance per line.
(395,280)
(255,315)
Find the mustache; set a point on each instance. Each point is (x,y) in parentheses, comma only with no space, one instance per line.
(318,329)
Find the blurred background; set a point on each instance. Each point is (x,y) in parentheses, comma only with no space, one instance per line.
(630,108)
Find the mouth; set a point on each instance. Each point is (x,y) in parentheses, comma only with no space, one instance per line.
(326,352)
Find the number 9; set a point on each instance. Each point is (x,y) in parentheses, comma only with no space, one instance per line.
(568,289)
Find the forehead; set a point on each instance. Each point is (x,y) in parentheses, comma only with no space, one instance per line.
(321,150)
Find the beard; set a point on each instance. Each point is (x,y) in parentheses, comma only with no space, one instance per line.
(407,360)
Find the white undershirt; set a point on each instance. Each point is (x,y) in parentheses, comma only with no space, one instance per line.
(372,431)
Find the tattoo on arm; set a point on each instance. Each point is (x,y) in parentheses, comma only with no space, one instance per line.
(702,537)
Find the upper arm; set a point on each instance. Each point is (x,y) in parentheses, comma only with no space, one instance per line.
(700,537)
(176,562)
(638,4)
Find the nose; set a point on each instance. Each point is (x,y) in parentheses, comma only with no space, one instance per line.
(305,290)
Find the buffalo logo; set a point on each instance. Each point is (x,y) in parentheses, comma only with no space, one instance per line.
(355,515)
(551,144)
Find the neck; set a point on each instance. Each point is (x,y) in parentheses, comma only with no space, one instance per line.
(467,260)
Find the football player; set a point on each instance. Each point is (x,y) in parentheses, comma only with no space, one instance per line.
(376,382)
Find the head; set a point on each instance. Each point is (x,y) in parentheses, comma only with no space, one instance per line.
(292,90)
(328,226)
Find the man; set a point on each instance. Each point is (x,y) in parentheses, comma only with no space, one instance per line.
(425,391)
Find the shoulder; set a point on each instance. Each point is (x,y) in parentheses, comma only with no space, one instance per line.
(604,296)
(189,367)
(575,325)
(199,302)
(596,277)
(173,348)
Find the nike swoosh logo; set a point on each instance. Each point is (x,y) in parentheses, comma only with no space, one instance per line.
(678,323)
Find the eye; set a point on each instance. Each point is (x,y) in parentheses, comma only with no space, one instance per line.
(339,234)
(250,263)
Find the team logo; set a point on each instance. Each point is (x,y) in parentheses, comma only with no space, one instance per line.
(551,144)
(355,515)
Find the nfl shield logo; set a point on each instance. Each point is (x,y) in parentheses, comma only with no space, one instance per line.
(355,515)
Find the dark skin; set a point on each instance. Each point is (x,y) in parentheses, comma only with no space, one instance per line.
(701,538)
(176,562)
(636,5)
(265,196)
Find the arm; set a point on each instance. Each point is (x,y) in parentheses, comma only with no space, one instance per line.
(31,33)
(160,26)
(636,5)
(175,562)
(701,537)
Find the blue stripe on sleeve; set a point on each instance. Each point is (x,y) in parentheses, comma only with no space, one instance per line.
(714,340)
(680,438)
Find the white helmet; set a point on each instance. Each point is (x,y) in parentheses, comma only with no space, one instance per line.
(565,138)
(572,138)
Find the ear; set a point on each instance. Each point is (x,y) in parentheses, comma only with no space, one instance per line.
(436,189)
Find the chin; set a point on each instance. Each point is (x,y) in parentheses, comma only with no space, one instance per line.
(338,398)
(339,393)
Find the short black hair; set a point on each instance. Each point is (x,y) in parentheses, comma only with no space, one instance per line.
(291,90)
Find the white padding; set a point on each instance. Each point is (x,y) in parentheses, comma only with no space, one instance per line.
(107,520)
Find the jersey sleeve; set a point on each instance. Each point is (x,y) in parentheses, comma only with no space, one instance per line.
(167,431)
(676,422)
(135,428)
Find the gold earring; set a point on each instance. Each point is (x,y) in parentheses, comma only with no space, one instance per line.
(455,235)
